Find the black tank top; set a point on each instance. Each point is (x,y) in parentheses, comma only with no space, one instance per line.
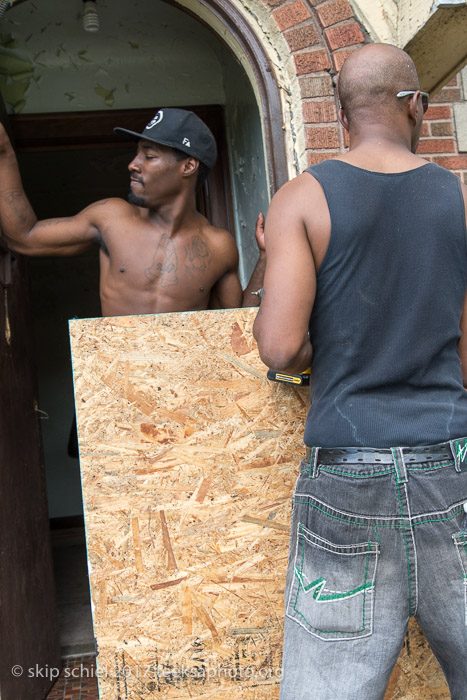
(385,323)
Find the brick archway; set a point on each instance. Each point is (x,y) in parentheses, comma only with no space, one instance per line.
(320,35)
(294,49)
(247,46)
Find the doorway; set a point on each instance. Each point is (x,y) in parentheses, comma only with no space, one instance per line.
(64,168)
(145,55)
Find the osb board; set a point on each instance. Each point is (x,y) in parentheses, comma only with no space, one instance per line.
(188,458)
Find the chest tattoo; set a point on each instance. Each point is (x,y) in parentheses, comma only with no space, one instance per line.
(196,257)
(164,264)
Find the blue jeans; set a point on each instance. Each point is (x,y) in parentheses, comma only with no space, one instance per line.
(377,536)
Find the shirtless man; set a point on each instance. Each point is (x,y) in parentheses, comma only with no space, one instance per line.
(157,253)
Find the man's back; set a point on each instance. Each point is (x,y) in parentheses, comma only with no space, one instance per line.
(386,320)
(369,255)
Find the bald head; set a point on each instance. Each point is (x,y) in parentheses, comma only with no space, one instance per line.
(371,78)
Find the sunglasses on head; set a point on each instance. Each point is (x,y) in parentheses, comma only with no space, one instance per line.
(424,95)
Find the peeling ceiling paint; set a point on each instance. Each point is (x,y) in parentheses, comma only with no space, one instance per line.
(16,72)
(145,53)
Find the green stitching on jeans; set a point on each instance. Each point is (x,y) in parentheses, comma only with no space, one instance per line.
(375,527)
(427,469)
(405,540)
(465,549)
(356,476)
(319,584)
(346,520)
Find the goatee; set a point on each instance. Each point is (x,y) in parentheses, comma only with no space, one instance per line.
(134,199)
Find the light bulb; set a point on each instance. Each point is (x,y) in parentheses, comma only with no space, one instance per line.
(90,16)
(4,6)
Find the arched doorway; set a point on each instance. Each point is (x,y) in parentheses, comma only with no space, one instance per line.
(145,55)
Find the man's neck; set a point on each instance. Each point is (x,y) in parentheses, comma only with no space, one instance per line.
(380,153)
(175,215)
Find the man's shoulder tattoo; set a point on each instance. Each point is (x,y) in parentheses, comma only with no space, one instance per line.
(197,256)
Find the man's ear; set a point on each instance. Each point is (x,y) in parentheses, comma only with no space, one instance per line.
(413,107)
(190,166)
(343,119)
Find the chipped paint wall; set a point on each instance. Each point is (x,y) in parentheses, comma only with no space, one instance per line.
(146,50)
(247,167)
(145,54)
(136,56)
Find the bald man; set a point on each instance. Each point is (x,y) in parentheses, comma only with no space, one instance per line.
(366,280)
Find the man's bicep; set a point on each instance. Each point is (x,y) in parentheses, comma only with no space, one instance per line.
(227,292)
(64,236)
(289,280)
(463,342)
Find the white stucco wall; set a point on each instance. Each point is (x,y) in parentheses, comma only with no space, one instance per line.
(460,115)
(432,31)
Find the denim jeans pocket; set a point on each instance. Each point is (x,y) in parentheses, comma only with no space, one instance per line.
(460,541)
(332,591)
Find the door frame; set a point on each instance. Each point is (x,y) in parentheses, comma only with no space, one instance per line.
(30,658)
(265,87)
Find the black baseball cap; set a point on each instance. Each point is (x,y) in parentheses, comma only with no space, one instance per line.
(180,129)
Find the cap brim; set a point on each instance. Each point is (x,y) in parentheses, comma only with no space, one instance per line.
(133,134)
(136,137)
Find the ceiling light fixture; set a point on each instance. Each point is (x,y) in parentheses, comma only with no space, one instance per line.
(90,16)
(6,4)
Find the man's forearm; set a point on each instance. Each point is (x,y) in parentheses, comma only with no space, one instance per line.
(302,360)
(250,298)
(286,349)
(16,214)
(282,359)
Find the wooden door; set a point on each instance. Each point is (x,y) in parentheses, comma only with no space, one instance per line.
(29,647)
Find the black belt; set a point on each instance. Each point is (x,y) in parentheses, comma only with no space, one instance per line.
(370,455)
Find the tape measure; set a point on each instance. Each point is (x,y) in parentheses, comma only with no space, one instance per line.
(302,379)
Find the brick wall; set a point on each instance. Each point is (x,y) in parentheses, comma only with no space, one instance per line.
(320,35)
(438,142)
